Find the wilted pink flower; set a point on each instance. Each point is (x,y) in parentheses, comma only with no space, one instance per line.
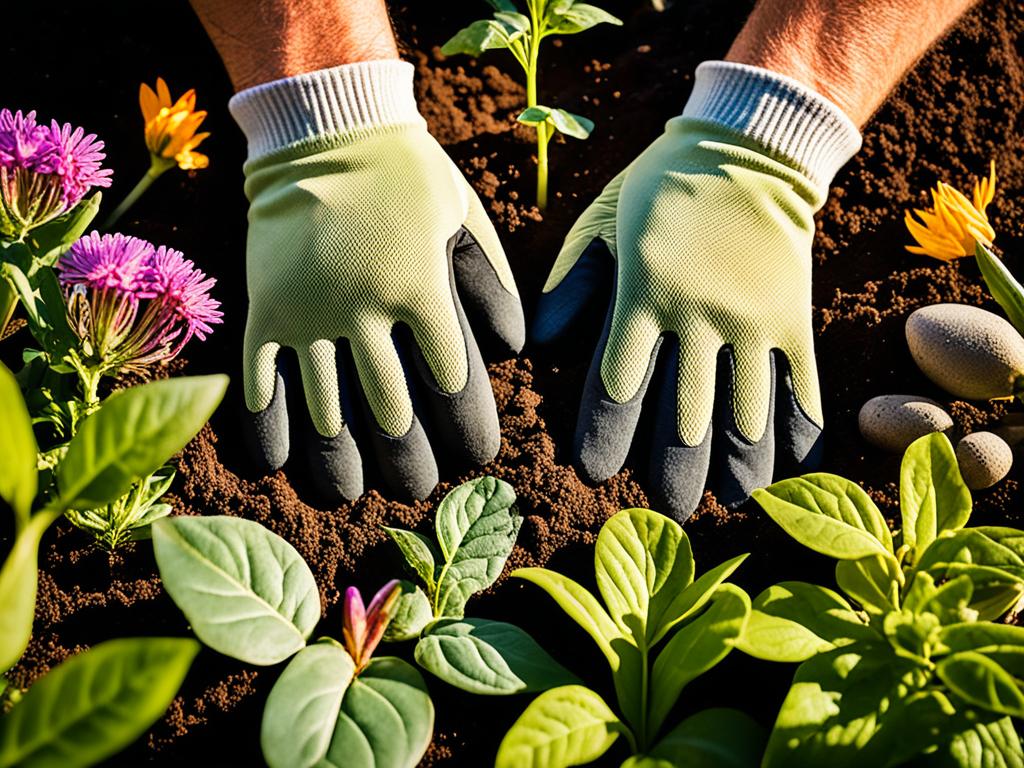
(133,304)
(362,627)
(44,171)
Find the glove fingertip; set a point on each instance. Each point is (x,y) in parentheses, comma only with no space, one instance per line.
(267,430)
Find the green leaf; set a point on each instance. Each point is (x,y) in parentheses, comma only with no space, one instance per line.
(17,450)
(1011,538)
(690,600)
(828,514)
(990,742)
(579,17)
(50,241)
(419,552)
(794,621)
(1001,284)
(246,592)
(96,703)
(476,528)
(488,657)
(565,726)
(971,635)
(411,615)
(580,604)
(386,720)
(19,577)
(694,649)
(132,435)
(302,709)
(933,496)
(712,738)
(980,681)
(515,22)
(994,591)
(565,122)
(871,581)
(478,37)
(534,115)
(60,339)
(971,546)
(642,561)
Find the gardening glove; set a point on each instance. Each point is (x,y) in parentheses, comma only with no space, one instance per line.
(709,232)
(367,248)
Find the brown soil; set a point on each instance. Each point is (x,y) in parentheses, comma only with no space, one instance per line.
(960,107)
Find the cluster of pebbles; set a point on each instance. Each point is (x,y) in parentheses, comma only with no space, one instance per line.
(971,354)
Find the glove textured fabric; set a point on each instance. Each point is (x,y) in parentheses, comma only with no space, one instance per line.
(710,229)
(355,214)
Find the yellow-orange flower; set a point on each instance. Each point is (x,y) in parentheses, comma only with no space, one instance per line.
(950,228)
(171,127)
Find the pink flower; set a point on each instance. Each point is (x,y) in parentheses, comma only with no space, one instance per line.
(362,627)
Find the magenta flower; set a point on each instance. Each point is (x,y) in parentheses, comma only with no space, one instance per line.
(44,171)
(132,304)
(362,627)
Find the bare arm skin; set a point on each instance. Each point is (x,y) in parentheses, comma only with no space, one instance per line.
(266,40)
(853,52)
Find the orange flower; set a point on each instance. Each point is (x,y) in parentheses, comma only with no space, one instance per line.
(954,224)
(171,127)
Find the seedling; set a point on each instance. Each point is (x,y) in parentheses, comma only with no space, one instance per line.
(521,35)
(644,568)
(909,661)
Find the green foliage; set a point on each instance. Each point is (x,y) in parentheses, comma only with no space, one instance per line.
(1001,284)
(645,573)
(476,527)
(95,703)
(907,665)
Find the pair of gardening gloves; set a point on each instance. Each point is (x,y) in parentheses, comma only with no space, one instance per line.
(375,276)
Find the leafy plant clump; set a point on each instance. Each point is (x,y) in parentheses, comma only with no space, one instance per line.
(101,700)
(659,630)
(476,528)
(910,661)
(521,35)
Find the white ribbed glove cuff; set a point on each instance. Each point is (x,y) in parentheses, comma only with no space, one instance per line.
(793,122)
(325,103)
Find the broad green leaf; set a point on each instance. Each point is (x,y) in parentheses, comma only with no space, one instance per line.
(477,527)
(411,615)
(60,339)
(690,600)
(694,649)
(246,592)
(973,546)
(534,115)
(1001,284)
(50,241)
(828,514)
(793,621)
(17,450)
(19,577)
(515,23)
(26,293)
(1009,657)
(994,591)
(969,636)
(132,435)
(642,561)
(871,581)
(488,657)
(582,607)
(712,738)
(95,704)
(386,720)
(478,37)
(933,496)
(980,681)
(950,602)
(565,122)
(1011,538)
(419,552)
(579,17)
(990,742)
(565,726)
(302,708)
(911,634)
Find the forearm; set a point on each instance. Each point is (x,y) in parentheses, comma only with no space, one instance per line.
(853,52)
(270,39)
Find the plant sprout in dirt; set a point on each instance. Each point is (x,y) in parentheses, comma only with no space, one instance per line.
(521,35)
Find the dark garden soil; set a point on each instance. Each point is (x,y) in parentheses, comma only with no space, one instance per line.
(960,107)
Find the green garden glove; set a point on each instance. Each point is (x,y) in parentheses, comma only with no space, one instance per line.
(709,232)
(366,250)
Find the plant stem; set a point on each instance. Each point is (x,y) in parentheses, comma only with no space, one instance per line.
(644,698)
(531,101)
(156,169)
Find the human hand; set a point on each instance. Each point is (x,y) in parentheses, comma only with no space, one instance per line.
(365,247)
(709,231)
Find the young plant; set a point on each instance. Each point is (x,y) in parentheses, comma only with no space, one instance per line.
(909,662)
(476,528)
(659,630)
(101,700)
(248,594)
(521,35)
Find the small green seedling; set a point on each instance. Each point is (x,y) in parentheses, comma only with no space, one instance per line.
(522,35)
(911,660)
(476,528)
(659,630)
